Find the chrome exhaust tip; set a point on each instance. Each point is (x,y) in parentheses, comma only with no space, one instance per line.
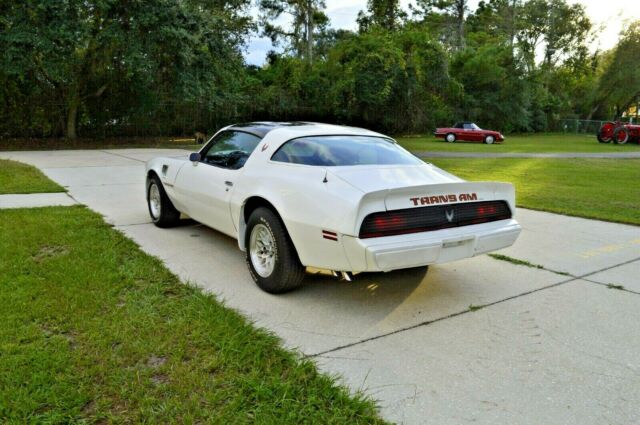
(347,276)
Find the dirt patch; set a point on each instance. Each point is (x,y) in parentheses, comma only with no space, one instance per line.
(47,252)
(156,361)
(159,379)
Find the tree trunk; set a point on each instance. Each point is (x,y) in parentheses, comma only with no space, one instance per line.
(310,25)
(593,111)
(72,120)
(460,7)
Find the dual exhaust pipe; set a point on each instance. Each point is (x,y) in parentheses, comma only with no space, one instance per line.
(346,276)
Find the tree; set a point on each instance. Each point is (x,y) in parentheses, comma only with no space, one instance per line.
(453,12)
(497,18)
(79,51)
(307,17)
(619,83)
(560,28)
(385,14)
(495,90)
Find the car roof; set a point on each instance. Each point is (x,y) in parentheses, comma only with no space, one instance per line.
(298,128)
(261,128)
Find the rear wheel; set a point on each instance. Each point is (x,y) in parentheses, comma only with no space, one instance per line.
(489,140)
(621,135)
(161,210)
(270,255)
(450,138)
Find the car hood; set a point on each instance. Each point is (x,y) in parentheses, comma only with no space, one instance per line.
(371,178)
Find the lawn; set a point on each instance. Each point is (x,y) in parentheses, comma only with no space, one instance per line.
(543,143)
(89,143)
(605,189)
(94,330)
(16,177)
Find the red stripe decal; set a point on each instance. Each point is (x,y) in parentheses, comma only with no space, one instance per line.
(332,236)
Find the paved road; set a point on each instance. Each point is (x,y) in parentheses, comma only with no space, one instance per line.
(612,155)
(546,347)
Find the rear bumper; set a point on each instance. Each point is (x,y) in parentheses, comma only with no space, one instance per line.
(419,249)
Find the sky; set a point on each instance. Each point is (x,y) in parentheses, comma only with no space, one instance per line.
(606,14)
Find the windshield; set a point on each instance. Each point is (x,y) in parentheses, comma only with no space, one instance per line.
(331,151)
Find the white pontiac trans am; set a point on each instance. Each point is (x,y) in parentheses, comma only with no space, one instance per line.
(345,199)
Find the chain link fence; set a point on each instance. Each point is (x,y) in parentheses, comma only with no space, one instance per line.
(586,126)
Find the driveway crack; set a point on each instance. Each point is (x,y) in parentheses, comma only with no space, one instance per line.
(571,278)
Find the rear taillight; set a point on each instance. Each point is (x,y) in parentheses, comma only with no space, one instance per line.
(424,219)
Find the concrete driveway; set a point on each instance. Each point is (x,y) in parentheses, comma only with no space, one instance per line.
(550,345)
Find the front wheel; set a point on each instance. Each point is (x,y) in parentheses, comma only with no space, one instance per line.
(161,210)
(270,255)
(605,133)
(489,140)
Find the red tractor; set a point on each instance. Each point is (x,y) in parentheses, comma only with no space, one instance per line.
(619,133)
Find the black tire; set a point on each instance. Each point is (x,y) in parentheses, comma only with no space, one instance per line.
(625,139)
(601,140)
(168,215)
(288,272)
(490,140)
(447,138)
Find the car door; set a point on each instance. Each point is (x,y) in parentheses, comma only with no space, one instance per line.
(460,132)
(204,187)
(472,134)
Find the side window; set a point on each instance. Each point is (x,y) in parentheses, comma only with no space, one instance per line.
(230,149)
(458,125)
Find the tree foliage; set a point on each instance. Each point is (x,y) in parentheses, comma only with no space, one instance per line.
(619,84)
(74,54)
(103,67)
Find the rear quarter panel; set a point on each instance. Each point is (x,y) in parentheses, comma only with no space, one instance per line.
(307,206)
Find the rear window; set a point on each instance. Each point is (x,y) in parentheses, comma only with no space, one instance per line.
(330,151)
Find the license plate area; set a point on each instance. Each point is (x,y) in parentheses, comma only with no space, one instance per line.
(454,249)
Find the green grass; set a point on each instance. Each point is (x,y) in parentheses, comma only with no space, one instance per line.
(16,177)
(95,330)
(604,189)
(516,261)
(108,143)
(540,143)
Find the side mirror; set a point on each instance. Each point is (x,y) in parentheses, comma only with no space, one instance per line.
(194,157)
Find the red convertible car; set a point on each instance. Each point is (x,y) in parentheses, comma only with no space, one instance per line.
(469,132)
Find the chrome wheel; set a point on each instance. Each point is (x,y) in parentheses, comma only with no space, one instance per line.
(155,203)
(262,250)
(451,138)
(489,140)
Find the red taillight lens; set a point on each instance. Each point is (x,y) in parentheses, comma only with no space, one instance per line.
(483,211)
(389,221)
(414,220)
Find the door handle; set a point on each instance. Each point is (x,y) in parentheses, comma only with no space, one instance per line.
(228,183)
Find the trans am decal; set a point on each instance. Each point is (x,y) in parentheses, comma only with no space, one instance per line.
(444,199)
